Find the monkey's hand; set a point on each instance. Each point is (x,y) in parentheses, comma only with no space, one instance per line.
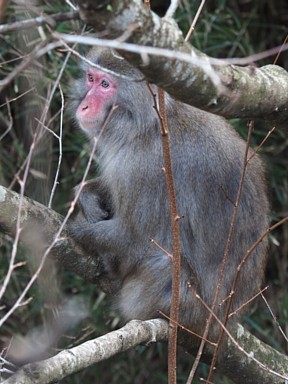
(92,209)
(92,205)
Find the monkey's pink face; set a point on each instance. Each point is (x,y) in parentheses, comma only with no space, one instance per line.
(94,108)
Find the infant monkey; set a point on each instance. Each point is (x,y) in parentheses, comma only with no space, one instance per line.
(126,206)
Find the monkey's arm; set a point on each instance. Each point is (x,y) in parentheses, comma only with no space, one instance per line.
(107,239)
(99,233)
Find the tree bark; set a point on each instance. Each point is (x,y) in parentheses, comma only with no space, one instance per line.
(238,367)
(209,84)
(39,225)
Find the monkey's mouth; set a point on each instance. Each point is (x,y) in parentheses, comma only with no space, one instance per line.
(88,124)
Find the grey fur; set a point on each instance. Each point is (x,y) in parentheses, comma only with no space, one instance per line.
(207,159)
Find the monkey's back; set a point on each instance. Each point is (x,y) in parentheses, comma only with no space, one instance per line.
(208,159)
(208,163)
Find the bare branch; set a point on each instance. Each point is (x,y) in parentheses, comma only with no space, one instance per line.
(172,9)
(50,20)
(139,332)
(84,355)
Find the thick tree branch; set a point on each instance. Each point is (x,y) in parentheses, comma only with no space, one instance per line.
(243,369)
(39,222)
(244,92)
(238,367)
(72,360)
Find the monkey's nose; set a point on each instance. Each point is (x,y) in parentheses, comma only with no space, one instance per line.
(84,108)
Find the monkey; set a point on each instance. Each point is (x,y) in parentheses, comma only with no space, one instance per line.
(126,205)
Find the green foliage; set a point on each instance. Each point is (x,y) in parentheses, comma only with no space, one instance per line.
(235,28)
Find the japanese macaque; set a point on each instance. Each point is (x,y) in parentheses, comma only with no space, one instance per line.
(126,206)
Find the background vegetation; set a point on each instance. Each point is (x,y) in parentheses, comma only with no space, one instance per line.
(234,28)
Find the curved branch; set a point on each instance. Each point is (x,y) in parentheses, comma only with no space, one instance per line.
(40,222)
(242,92)
(234,363)
(84,355)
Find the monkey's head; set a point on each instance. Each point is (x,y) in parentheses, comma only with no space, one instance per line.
(111,93)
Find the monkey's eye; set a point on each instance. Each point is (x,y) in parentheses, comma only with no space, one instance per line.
(90,78)
(105,83)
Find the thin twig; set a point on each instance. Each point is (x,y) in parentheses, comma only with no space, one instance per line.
(57,81)
(281,50)
(187,330)
(23,65)
(226,253)
(18,231)
(256,150)
(249,355)
(161,248)
(50,20)
(60,150)
(175,229)
(247,302)
(274,318)
(196,17)
(176,247)
(10,124)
